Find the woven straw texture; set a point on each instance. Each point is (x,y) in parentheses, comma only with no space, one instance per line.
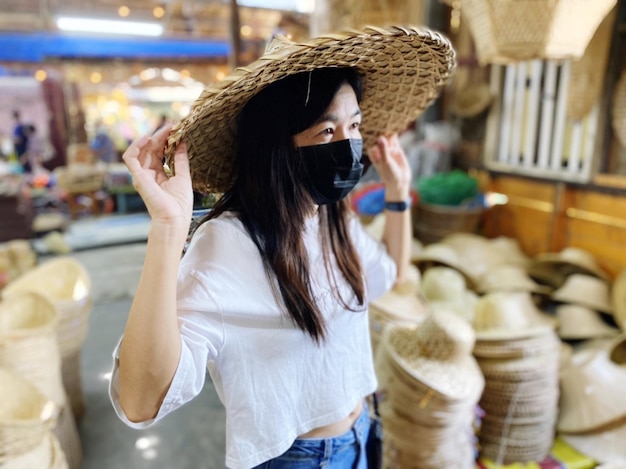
(506,31)
(403,71)
(73,383)
(588,73)
(28,343)
(619,110)
(66,432)
(26,416)
(48,455)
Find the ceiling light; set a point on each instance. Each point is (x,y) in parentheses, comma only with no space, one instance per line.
(123,11)
(91,25)
(41,75)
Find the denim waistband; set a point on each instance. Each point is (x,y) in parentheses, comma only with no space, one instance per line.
(358,433)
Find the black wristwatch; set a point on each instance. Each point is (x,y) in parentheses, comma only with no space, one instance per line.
(398,206)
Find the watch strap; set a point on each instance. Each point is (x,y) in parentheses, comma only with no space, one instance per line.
(398,206)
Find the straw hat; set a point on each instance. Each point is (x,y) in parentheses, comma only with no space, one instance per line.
(403,69)
(443,283)
(605,445)
(592,388)
(472,100)
(509,315)
(618,299)
(438,353)
(585,290)
(571,260)
(509,278)
(578,322)
(510,250)
(438,254)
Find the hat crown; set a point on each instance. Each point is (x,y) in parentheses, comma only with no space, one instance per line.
(443,283)
(577,256)
(585,290)
(440,252)
(506,311)
(445,336)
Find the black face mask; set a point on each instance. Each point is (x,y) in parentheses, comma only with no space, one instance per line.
(333,169)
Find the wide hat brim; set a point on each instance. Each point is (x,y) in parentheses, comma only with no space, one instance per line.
(403,70)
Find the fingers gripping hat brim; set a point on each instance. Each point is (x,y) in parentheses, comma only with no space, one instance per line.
(403,70)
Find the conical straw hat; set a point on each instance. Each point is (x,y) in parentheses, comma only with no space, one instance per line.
(592,388)
(509,315)
(585,290)
(403,69)
(438,353)
(579,322)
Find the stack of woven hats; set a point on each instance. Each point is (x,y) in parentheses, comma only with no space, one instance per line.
(518,353)
(402,303)
(592,415)
(429,386)
(65,286)
(27,418)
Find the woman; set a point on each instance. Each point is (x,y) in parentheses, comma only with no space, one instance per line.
(272,293)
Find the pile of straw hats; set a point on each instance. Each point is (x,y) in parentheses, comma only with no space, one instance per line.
(518,353)
(592,408)
(585,310)
(29,347)
(67,285)
(26,421)
(430,385)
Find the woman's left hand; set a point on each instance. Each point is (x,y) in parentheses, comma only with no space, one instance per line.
(390,161)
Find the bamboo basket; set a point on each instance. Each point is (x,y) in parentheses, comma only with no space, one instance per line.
(432,223)
(26,416)
(506,31)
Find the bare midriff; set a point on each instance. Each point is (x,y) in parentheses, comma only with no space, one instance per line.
(338,428)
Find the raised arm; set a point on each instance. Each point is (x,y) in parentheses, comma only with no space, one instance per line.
(151,347)
(389,160)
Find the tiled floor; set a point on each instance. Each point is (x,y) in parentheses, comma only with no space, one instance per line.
(190,438)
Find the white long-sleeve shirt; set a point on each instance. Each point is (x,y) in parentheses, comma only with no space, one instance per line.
(275,382)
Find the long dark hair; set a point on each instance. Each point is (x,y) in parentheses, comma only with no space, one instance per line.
(269,194)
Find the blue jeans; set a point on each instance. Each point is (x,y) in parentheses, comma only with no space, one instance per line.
(345,451)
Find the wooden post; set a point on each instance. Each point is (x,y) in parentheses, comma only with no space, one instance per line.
(235,35)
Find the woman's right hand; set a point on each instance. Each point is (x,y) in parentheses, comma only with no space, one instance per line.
(169,200)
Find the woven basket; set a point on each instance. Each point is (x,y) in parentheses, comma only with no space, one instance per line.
(80,178)
(28,343)
(506,31)
(432,223)
(26,416)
